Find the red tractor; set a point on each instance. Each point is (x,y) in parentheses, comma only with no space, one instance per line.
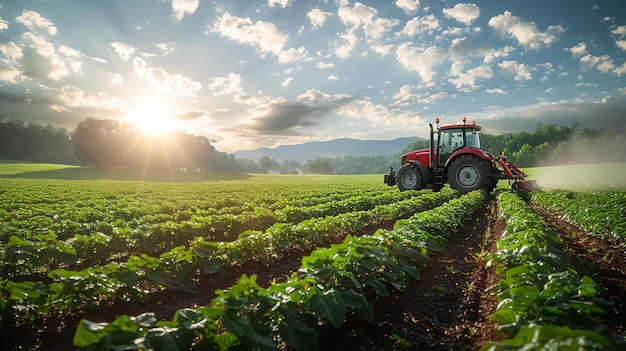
(458,160)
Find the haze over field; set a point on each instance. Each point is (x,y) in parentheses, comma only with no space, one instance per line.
(264,73)
(589,176)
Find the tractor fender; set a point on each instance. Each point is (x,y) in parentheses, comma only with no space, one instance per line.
(471,151)
(427,176)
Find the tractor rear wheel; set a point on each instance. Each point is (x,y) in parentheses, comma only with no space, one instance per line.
(467,173)
(409,178)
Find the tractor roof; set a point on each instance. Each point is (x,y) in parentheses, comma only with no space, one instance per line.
(456,126)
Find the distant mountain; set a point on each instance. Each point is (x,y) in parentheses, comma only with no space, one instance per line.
(331,149)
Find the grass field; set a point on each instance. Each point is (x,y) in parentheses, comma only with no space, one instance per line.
(566,176)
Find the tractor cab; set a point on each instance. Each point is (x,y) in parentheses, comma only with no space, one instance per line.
(455,137)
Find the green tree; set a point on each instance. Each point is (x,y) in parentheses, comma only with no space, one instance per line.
(318,166)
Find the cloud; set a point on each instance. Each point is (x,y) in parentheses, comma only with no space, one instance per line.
(419,25)
(263,35)
(166,48)
(526,33)
(190,115)
(163,82)
(362,18)
(620,34)
(285,83)
(420,61)
(468,81)
(116,79)
(578,50)
(292,55)
(318,17)
(181,8)
(34,21)
(71,96)
(33,57)
(122,50)
(281,3)
(286,118)
(408,6)
(3,25)
(325,65)
(405,95)
(230,84)
(520,71)
(463,13)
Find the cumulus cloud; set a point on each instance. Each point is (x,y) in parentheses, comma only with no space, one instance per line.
(263,35)
(181,8)
(229,84)
(526,33)
(463,13)
(292,54)
(318,17)
(33,56)
(419,25)
(362,19)
(35,21)
(71,96)
(405,95)
(620,34)
(420,61)
(578,50)
(468,81)
(163,82)
(520,71)
(281,3)
(408,6)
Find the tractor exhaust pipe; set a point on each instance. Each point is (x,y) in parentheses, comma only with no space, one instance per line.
(431,158)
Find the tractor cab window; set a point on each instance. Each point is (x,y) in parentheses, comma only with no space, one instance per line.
(452,139)
(472,139)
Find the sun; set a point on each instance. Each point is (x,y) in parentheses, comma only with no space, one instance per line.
(153,117)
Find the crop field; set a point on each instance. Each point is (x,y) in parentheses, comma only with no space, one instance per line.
(95,259)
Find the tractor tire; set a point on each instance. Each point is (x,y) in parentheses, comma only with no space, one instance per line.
(409,177)
(467,173)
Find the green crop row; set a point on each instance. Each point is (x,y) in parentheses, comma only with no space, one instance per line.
(45,251)
(600,212)
(33,207)
(544,304)
(331,283)
(132,281)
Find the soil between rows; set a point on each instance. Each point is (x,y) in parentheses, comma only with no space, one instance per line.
(447,309)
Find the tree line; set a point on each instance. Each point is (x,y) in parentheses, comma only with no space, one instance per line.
(34,142)
(118,144)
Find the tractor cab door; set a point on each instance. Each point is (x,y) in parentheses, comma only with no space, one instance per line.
(449,140)
(452,139)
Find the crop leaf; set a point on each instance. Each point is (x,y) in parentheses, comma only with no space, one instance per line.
(328,305)
(358,302)
(296,333)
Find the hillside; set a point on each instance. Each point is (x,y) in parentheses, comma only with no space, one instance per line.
(333,148)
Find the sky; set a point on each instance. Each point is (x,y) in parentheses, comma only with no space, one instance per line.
(263,73)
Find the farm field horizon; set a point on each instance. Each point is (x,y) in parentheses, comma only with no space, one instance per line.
(105,259)
(591,175)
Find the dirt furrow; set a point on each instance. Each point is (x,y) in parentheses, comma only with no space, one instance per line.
(601,259)
(446,309)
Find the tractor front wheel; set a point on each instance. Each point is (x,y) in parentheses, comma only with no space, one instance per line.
(409,178)
(468,173)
